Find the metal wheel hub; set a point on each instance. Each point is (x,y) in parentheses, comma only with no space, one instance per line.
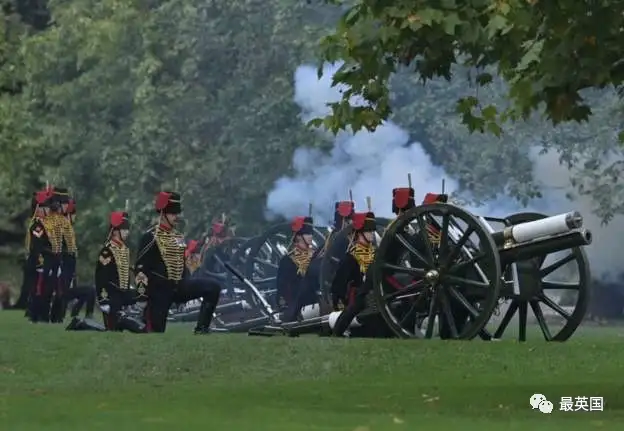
(432,276)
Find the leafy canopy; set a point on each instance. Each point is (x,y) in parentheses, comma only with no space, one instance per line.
(547,51)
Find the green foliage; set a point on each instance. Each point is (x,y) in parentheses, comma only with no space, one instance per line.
(547,53)
(123,98)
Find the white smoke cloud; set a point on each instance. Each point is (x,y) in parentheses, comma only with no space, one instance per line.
(373,163)
(367,163)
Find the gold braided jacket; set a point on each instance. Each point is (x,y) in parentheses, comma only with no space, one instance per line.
(121,253)
(363,254)
(171,246)
(53,225)
(302,259)
(69,235)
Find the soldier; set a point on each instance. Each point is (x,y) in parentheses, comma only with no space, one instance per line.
(307,293)
(29,266)
(68,254)
(75,296)
(112,277)
(351,283)
(293,267)
(160,270)
(45,242)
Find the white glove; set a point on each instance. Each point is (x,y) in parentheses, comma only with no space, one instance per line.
(105,308)
(141,305)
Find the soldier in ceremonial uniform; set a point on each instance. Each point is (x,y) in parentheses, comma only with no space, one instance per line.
(293,267)
(160,270)
(112,277)
(309,286)
(29,266)
(44,245)
(68,254)
(351,283)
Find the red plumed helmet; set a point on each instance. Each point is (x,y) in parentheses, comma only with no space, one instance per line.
(117,218)
(431,198)
(345,208)
(42,196)
(358,220)
(401,197)
(162,200)
(297,224)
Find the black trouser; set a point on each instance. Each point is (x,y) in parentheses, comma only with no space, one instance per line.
(29,277)
(84,296)
(116,319)
(43,290)
(163,293)
(306,295)
(59,303)
(355,307)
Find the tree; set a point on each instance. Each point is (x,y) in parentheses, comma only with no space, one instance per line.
(548,52)
(123,98)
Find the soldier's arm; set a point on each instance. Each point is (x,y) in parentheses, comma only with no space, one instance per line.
(143,266)
(286,275)
(347,273)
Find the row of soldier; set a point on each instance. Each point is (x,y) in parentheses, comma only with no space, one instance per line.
(162,270)
(165,263)
(298,275)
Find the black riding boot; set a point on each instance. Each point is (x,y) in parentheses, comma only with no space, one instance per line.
(344,320)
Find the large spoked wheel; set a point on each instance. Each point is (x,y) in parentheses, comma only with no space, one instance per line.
(555,287)
(267,250)
(437,263)
(335,251)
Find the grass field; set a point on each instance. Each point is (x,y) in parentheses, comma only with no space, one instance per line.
(51,379)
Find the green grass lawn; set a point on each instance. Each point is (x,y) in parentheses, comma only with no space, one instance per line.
(51,379)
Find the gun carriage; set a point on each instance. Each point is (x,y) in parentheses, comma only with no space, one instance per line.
(441,271)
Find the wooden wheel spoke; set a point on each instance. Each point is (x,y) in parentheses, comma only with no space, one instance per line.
(560,285)
(455,294)
(412,250)
(555,266)
(460,266)
(457,247)
(454,280)
(555,307)
(412,311)
(424,237)
(448,315)
(404,269)
(541,320)
(511,310)
(444,240)
(408,290)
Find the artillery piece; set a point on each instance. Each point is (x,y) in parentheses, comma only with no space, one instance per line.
(439,262)
(439,266)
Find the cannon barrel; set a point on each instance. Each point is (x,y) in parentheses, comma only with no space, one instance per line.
(544,246)
(547,227)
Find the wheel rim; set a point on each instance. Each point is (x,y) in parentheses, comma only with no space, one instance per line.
(546,274)
(420,277)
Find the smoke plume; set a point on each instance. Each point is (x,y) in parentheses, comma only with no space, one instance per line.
(373,163)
